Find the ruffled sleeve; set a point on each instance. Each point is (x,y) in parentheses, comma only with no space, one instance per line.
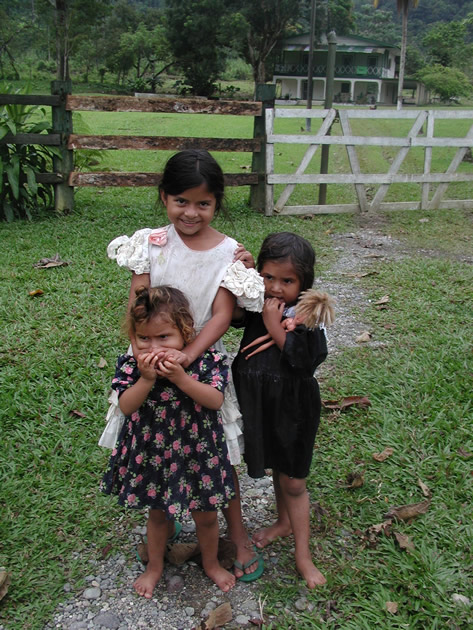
(305,349)
(246,284)
(132,252)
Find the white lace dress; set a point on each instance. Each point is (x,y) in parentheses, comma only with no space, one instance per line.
(199,275)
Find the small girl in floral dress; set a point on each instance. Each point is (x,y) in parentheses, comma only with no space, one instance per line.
(171,454)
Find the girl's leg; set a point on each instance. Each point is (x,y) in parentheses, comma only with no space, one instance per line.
(282,526)
(296,500)
(157,532)
(237,531)
(207,534)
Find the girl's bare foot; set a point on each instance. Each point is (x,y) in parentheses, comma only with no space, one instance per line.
(310,573)
(266,535)
(145,584)
(221,577)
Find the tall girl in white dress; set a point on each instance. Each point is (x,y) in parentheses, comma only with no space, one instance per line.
(212,270)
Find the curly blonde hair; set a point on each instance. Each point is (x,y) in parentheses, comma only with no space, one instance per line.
(166,302)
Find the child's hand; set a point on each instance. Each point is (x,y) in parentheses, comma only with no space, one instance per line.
(245,256)
(177,355)
(147,363)
(170,368)
(273,311)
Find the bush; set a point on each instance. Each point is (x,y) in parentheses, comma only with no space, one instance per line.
(20,194)
(237,69)
(447,83)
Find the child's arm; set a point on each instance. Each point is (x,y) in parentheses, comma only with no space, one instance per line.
(218,324)
(133,397)
(272,314)
(137,280)
(201,393)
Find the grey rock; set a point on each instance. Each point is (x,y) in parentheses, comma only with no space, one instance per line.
(301,603)
(107,620)
(92,593)
(242,620)
(175,584)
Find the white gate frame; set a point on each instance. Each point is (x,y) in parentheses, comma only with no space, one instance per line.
(356,177)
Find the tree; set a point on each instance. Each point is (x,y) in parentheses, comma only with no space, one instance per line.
(195,31)
(445,43)
(74,22)
(402,7)
(263,24)
(379,25)
(447,83)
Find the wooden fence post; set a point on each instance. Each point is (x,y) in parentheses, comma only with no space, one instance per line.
(265,92)
(64,165)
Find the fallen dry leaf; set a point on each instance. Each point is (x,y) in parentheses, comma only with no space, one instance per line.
(406,512)
(355,480)
(47,263)
(425,490)
(392,607)
(384,300)
(404,541)
(348,401)
(102,363)
(176,554)
(218,617)
(35,293)
(77,413)
(106,550)
(361,274)
(5,579)
(461,451)
(380,457)
(363,337)
(372,533)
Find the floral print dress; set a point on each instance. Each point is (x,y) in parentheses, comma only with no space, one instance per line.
(171,454)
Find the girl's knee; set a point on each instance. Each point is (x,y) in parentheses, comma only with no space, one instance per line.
(204,519)
(157,517)
(292,486)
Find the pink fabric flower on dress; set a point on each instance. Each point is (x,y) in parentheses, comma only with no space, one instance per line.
(158,237)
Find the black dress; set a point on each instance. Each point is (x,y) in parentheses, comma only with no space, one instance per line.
(279,399)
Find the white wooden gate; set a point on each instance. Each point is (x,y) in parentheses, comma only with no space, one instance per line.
(418,136)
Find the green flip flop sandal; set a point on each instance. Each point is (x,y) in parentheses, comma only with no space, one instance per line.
(257,573)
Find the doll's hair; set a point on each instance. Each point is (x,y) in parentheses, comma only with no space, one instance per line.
(192,168)
(281,246)
(167,302)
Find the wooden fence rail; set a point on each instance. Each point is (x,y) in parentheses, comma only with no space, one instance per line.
(63,103)
(358,179)
(262,177)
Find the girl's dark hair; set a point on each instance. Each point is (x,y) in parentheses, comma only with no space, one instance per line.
(288,246)
(192,168)
(167,302)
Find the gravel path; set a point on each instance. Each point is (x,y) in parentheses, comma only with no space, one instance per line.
(185,596)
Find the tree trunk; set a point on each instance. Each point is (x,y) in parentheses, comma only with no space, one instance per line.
(62,40)
(402,63)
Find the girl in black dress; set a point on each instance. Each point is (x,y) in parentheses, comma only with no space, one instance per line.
(277,392)
(171,455)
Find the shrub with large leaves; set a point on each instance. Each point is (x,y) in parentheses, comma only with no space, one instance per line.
(21,196)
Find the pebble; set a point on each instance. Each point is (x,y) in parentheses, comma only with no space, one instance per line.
(461,599)
(92,593)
